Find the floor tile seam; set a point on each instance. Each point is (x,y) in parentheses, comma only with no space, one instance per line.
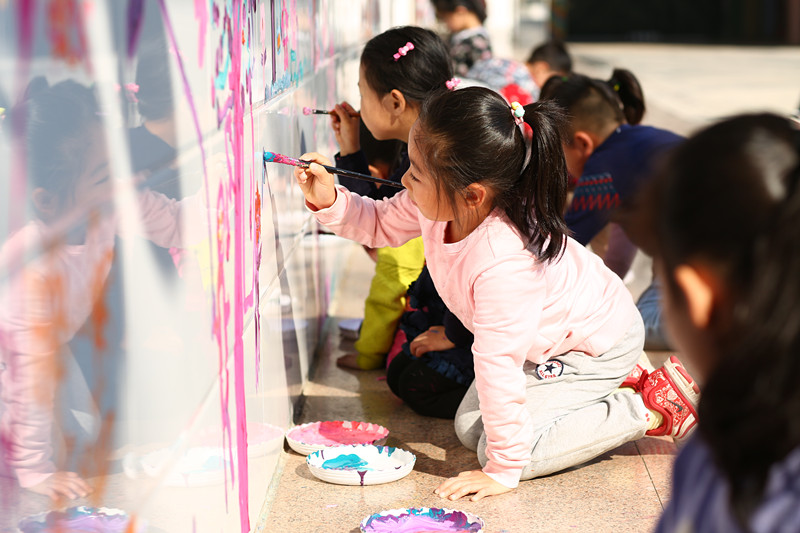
(649,475)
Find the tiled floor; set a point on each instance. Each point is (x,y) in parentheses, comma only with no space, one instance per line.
(623,490)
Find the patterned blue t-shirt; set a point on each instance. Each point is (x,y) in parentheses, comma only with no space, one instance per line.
(613,175)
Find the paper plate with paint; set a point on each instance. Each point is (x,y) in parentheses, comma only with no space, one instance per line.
(81,518)
(364,464)
(307,438)
(422,519)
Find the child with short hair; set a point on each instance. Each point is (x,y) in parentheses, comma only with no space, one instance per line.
(548,59)
(469,41)
(724,225)
(612,155)
(399,69)
(556,332)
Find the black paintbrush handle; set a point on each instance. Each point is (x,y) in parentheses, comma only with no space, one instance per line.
(326,112)
(358,175)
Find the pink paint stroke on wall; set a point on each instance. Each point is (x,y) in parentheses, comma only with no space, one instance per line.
(253,300)
(236,132)
(242,199)
(135,18)
(222,314)
(220,302)
(201,14)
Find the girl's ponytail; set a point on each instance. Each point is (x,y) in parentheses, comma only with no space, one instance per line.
(630,94)
(543,182)
(595,104)
(472,136)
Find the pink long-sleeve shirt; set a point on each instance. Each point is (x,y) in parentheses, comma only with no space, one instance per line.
(518,308)
(43,303)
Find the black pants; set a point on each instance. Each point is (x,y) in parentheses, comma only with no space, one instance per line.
(424,390)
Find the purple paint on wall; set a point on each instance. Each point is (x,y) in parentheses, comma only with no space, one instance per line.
(135,18)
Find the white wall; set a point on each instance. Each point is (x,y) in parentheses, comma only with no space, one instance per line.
(224,340)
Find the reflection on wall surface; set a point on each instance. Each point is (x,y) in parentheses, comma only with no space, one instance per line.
(162,291)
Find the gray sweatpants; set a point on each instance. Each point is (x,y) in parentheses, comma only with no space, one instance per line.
(577,415)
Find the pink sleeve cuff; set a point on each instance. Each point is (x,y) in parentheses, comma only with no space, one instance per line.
(507,478)
(31,479)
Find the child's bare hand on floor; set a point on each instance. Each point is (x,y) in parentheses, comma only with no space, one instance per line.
(433,340)
(316,183)
(63,484)
(470,482)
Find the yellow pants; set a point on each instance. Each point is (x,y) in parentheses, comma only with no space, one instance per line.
(395,270)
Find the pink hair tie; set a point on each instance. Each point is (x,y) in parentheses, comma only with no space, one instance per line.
(130,91)
(403,50)
(452,83)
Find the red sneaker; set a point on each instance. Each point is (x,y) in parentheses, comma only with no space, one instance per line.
(673,393)
(635,377)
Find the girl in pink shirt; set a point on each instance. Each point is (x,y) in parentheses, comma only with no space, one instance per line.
(53,273)
(556,332)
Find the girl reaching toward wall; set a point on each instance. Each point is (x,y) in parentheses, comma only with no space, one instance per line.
(400,68)
(485,189)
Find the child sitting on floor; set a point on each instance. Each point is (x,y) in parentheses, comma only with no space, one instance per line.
(556,332)
(400,68)
(433,370)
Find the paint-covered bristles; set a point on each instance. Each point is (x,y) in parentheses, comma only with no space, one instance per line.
(272,157)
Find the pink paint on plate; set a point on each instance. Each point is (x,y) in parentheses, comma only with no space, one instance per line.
(317,435)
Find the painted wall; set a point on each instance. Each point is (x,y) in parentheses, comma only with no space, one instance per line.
(144,341)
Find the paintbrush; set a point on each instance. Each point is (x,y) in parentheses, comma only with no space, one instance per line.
(272,157)
(310,111)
